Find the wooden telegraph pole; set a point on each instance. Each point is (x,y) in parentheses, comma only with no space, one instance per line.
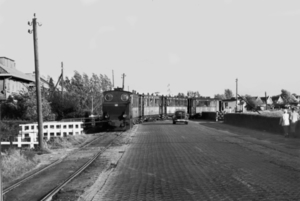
(62,82)
(62,89)
(236,95)
(34,24)
(1,187)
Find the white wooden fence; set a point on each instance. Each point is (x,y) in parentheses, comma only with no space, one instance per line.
(28,133)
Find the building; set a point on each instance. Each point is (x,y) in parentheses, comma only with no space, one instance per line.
(277,101)
(13,81)
(267,102)
(229,105)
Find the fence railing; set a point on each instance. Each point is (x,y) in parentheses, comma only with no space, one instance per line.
(28,133)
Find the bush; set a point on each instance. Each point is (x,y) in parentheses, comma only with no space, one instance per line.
(70,141)
(16,162)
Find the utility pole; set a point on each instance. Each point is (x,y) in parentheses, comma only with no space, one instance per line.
(34,23)
(62,82)
(113,79)
(1,187)
(123,77)
(62,88)
(266,100)
(236,93)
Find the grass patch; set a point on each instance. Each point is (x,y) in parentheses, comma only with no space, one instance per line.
(70,141)
(17,162)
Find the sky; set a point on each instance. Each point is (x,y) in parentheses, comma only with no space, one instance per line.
(161,45)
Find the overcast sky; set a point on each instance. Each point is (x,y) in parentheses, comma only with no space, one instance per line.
(198,45)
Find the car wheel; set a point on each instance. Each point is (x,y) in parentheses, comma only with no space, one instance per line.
(186,122)
(174,122)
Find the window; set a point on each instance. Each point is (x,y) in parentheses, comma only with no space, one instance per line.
(124,97)
(108,97)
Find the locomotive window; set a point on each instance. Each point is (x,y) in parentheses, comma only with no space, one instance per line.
(108,97)
(124,97)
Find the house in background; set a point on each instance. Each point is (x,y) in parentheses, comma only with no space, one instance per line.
(229,105)
(43,83)
(267,102)
(13,81)
(277,101)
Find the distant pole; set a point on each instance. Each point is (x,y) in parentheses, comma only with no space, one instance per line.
(266,100)
(123,77)
(236,93)
(62,88)
(62,81)
(113,79)
(37,82)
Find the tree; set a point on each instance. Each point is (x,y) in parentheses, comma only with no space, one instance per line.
(181,95)
(288,97)
(23,106)
(252,103)
(228,94)
(220,96)
(82,95)
(193,94)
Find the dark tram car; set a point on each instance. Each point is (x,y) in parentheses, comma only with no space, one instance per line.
(117,109)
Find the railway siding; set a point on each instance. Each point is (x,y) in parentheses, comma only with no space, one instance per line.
(36,187)
(88,183)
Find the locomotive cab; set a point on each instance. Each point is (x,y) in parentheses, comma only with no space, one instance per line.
(116,109)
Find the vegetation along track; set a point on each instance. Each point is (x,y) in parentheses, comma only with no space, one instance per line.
(43,184)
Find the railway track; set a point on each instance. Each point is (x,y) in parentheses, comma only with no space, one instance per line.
(45,183)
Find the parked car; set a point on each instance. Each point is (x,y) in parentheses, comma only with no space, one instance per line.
(180,116)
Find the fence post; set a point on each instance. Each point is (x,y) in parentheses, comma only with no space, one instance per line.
(19,141)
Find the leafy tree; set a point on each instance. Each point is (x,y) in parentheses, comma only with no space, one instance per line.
(228,94)
(181,95)
(220,96)
(288,97)
(193,94)
(252,103)
(82,95)
(23,106)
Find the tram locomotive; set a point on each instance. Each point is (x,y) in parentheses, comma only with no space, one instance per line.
(122,108)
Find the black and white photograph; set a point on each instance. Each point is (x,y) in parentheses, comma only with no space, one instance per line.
(149,100)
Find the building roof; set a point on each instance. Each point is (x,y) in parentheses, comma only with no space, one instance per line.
(265,98)
(13,72)
(275,98)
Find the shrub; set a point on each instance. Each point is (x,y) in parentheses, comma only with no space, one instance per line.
(16,162)
(70,141)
